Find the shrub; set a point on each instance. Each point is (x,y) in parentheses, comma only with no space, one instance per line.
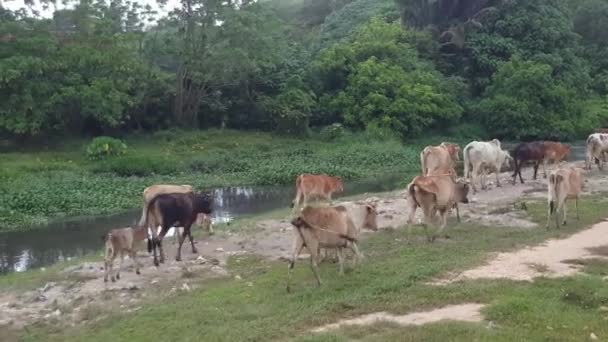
(103,147)
(332,132)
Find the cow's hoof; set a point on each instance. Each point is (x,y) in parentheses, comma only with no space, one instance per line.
(156,263)
(105,280)
(498,185)
(118,276)
(564,223)
(113,280)
(194,250)
(137,272)
(178,259)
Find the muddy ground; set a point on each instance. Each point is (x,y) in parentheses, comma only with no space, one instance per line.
(83,296)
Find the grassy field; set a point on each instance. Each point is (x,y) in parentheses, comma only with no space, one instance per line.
(40,185)
(393,278)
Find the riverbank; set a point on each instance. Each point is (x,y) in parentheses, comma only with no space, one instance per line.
(41,186)
(235,289)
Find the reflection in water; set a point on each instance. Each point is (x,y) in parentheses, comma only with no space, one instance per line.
(20,251)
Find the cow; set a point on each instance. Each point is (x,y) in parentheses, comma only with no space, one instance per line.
(554,152)
(434,194)
(524,152)
(363,214)
(564,183)
(122,241)
(480,156)
(157,189)
(439,159)
(171,209)
(325,227)
(597,145)
(310,186)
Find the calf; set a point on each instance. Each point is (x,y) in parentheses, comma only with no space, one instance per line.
(525,152)
(171,209)
(564,183)
(310,186)
(480,156)
(326,227)
(597,146)
(122,241)
(434,194)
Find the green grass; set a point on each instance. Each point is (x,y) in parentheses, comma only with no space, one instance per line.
(391,279)
(39,186)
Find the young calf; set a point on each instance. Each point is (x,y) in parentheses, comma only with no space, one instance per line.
(326,227)
(122,241)
(564,183)
(180,210)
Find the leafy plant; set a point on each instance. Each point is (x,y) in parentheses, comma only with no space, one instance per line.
(103,147)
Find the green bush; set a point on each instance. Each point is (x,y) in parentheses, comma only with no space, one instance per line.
(103,147)
(332,132)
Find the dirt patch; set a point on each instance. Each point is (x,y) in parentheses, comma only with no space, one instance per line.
(553,255)
(464,313)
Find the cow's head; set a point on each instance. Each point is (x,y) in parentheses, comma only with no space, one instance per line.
(338,184)
(298,222)
(462,192)
(507,159)
(453,150)
(203,203)
(565,151)
(371,215)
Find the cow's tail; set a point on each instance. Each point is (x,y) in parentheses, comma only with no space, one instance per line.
(465,155)
(296,201)
(554,183)
(151,241)
(412,193)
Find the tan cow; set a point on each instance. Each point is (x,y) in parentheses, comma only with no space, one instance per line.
(439,159)
(120,242)
(434,194)
(325,227)
(310,186)
(564,183)
(554,152)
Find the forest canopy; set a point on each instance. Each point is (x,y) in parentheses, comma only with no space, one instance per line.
(511,69)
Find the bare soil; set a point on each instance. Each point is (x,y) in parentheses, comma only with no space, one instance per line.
(77,299)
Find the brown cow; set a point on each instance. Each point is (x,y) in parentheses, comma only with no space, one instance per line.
(310,186)
(564,183)
(157,189)
(554,152)
(434,194)
(439,159)
(525,152)
(326,227)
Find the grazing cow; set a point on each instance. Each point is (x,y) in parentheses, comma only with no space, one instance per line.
(363,215)
(439,159)
(564,183)
(171,209)
(122,241)
(480,156)
(554,152)
(434,194)
(524,152)
(325,227)
(310,186)
(597,145)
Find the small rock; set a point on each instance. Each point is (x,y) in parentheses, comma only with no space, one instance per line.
(603,308)
(593,336)
(214,261)
(605,278)
(201,260)
(42,269)
(219,270)
(131,287)
(250,284)
(154,281)
(549,328)
(56,313)
(47,287)
(186,287)
(237,277)
(219,249)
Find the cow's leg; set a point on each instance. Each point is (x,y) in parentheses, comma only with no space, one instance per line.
(410,219)
(358,256)
(339,250)
(536,165)
(457,212)
(545,168)
(161,236)
(519,172)
(298,244)
(550,207)
(182,237)
(576,206)
(443,215)
(565,210)
(429,218)
(497,172)
(122,258)
(133,255)
(474,177)
(516,169)
(194,251)
(312,249)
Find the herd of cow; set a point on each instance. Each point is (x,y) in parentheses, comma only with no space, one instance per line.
(436,191)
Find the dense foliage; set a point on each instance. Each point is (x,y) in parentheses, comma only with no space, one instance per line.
(110,67)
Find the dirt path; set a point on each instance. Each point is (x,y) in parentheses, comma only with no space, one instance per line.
(78,298)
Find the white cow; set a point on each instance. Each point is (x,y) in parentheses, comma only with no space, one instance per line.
(482,155)
(597,145)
